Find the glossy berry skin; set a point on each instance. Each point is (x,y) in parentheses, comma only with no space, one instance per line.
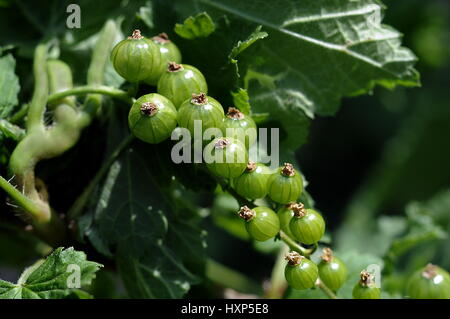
(203,108)
(309,228)
(226,157)
(136,58)
(301,276)
(284,188)
(263,224)
(285,215)
(431,282)
(180,81)
(169,52)
(252,183)
(238,125)
(332,272)
(152,118)
(363,292)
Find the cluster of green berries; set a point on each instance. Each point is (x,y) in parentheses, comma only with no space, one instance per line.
(302,273)
(305,225)
(182,99)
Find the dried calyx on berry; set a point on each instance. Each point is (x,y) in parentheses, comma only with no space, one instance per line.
(174,67)
(293,258)
(222,143)
(199,99)
(366,278)
(298,209)
(136,35)
(327,255)
(288,170)
(430,271)
(246,213)
(251,166)
(234,113)
(161,38)
(149,109)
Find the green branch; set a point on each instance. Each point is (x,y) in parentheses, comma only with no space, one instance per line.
(92,89)
(293,245)
(327,291)
(23,201)
(40,94)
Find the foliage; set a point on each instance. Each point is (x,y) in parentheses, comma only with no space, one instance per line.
(145,215)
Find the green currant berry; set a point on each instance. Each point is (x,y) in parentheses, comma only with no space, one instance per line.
(136,58)
(300,272)
(152,118)
(238,125)
(169,52)
(226,157)
(285,214)
(253,182)
(180,81)
(307,226)
(431,282)
(332,271)
(261,222)
(200,108)
(286,185)
(366,288)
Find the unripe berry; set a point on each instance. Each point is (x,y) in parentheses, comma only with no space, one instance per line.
(226,157)
(136,58)
(261,222)
(332,271)
(431,282)
(286,185)
(240,126)
(366,288)
(300,272)
(307,226)
(252,183)
(200,108)
(152,118)
(180,81)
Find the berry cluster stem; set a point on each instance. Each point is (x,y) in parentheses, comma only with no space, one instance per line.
(327,291)
(293,245)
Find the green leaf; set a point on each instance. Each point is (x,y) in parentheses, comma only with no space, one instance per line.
(10,130)
(9,85)
(199,26)
(317,52)
(52,277)
(241,101)
(422,228)
(242,45)
(146,14)
(158,255)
